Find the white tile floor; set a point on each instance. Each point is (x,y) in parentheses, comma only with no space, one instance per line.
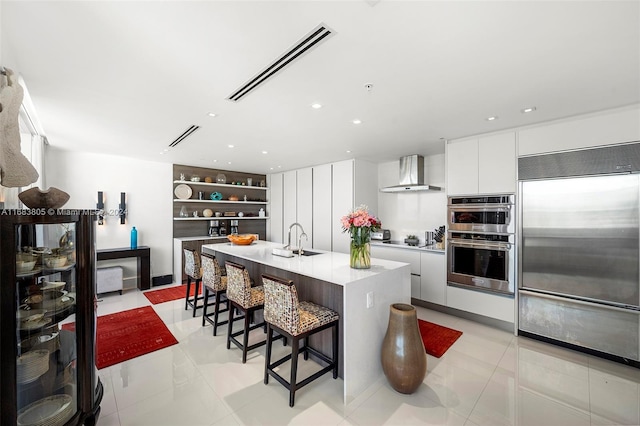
(488,377)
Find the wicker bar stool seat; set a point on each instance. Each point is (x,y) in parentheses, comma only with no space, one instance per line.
(193,271)
(245,299)
(296,321)
(214,284)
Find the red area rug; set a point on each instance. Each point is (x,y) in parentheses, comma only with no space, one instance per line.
(436,338)
(169,294)
(126,335)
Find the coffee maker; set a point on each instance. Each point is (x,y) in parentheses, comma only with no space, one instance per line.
(233,228)
(214,228)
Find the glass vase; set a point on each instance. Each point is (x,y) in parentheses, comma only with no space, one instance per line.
(360,248)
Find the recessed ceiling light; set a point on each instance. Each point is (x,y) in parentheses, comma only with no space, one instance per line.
(228,162)
(316,106)
(270,168)
(230,146)
(215,161)
(348,152)
(528,109)
(264,152)
(212,114)
(161,152)
(492,118)
(356,121)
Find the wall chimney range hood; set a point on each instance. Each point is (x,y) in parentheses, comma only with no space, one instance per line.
(411,176)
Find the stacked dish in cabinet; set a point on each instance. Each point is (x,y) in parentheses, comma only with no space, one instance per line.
(53,365)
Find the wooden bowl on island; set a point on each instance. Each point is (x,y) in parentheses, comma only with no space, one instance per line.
(241,240)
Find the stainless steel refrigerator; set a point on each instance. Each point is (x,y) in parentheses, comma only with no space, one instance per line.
(579,249)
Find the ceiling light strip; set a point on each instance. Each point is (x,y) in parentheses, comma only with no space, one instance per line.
(316,35)
(184,135)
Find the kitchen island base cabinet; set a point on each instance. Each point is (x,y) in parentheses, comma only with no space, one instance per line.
(360,296)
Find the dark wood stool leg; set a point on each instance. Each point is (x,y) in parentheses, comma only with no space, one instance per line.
(305,341)
(205,299)
(245,336)
(186,299)
(215,315)
(195,298)
(267,356)
(230,327)
(294,369)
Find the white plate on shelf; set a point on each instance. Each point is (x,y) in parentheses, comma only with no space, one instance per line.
(183,191)
(48,411)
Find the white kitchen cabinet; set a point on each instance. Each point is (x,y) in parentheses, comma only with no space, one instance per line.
(587,131)
(484,165)
(304,205)
(342,201)
(318,197)
(400,254)
(354,182)
(486,304)
(462,167)
(290,204)
(276,200)
(322,207)
(433,280)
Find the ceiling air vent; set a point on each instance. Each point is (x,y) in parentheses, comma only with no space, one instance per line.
(184,135)
(315,36)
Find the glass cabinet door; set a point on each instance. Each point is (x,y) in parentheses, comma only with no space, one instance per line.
(46,280)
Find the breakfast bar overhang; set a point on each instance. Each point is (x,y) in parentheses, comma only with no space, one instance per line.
(361,297)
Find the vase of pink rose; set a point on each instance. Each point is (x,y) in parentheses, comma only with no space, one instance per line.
(359,223)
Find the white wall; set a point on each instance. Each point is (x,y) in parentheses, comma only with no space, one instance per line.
(148,186)
(412,212)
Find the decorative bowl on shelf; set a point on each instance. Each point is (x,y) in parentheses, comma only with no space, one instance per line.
(208,179)
(241,240)
(195,178)
(23,266)
(233,198)
(55,261)
(207,212)
(215,196)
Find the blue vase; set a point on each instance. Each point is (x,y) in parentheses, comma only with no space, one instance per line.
(134,238)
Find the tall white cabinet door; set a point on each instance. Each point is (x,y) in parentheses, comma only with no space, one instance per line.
(290,206)
(433,282)
(322,207)
(342,203)
(304,201)
(276,195)
(462,167)
(497,163)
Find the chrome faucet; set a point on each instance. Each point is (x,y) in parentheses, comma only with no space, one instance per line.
(300,251)
(288,246)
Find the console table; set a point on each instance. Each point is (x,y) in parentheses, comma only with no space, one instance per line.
(143,253)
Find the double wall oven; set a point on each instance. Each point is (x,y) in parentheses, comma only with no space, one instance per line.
(481,243)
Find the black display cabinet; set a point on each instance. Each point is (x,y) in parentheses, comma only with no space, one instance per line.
(48,278)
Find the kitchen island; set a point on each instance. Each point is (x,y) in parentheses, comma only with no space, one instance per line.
(361,297)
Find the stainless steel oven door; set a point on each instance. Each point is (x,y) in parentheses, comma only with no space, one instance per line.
(482,218)
(483,266)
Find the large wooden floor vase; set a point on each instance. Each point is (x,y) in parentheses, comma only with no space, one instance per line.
(404,360)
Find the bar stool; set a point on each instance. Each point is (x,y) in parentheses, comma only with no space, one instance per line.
(296,321)
(193,270)
(214,283)
(246,299)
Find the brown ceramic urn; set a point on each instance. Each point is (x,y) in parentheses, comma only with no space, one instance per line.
(404,360)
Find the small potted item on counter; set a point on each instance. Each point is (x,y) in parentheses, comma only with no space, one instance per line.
(411,240)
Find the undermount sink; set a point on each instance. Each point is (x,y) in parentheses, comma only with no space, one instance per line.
(306,253)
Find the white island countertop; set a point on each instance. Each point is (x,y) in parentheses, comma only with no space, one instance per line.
(327,266)
(365,296)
